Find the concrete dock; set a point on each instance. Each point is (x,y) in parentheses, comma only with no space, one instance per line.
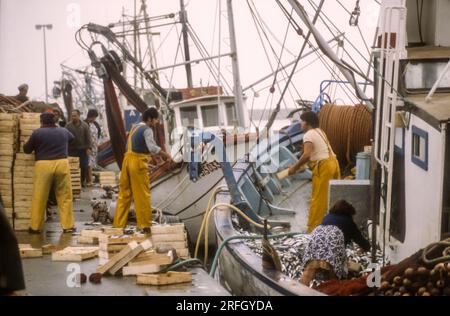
(44,277)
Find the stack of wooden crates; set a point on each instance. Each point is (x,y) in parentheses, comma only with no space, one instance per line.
(75,174)
(8,147)
(23,173)
(107,178)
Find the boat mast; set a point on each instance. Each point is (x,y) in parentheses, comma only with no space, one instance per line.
(238,93)
(135,37)
(153,61)
(187,53)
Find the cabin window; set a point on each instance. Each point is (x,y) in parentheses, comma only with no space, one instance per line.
(189,116)
(420,148)
(210,115)
(231,114)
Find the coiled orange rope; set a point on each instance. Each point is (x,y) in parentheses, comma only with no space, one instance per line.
(349,129)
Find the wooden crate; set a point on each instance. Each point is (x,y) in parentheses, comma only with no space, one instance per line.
(21,224)
(27,251)
(75,254)
(164,278)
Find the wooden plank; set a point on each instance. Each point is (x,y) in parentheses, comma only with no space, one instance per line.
(29,125)
(161,238)
(23,163)
(145,245)
(174,244)
(21,224)
(7,117)
(6,175)
(75,254)
(140,269)
(168,229)
(164,279)
(7,123)
(6,128)
(23,204)
(23,180)
(183,253)
(6,164)
(23,196)
(151,257)
(27,251)
(5,181)
(20,187)
(111,231)
(104,268)
(113,240)
(91,233)
(22,215)
(5,169)
(105,255)
(49,249)
(111,248)
(87,240)
(27,115)
(27,157)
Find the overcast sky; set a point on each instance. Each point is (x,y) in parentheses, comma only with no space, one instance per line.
(21,46)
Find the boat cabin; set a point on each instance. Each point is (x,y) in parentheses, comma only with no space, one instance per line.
(209,113)
(420,188)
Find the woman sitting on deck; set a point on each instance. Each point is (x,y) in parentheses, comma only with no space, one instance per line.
(326,249)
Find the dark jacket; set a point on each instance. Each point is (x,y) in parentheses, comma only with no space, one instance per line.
(82,134)
(49,143)
(346,224)
(11,272)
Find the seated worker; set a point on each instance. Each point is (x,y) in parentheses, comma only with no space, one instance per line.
(51,145)
(326,249)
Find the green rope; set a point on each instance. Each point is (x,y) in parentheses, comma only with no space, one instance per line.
(181,263)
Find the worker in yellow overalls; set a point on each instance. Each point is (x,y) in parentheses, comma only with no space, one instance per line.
(51,145)
(134,178)
(319,156)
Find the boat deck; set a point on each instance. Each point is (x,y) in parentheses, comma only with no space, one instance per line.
(297,198)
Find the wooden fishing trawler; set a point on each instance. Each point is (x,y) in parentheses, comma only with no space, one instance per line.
(409,179)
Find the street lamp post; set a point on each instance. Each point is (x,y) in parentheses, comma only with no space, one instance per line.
(45,27)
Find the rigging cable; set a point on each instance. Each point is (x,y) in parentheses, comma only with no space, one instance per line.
(264,31)
(306,42)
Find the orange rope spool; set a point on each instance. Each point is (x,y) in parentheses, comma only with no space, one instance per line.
(349,130)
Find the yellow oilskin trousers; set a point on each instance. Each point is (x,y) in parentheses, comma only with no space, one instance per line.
(48,173)
(323,172)
(134,184)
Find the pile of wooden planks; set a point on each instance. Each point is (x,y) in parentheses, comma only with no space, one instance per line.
(92,236)
(173,235)
(8,147)
(111,244)
(75,174)
(107,178)
(23,190)
(115,265)
(149,262)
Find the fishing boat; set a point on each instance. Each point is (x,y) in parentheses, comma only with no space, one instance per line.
(401,214)
(209,108)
